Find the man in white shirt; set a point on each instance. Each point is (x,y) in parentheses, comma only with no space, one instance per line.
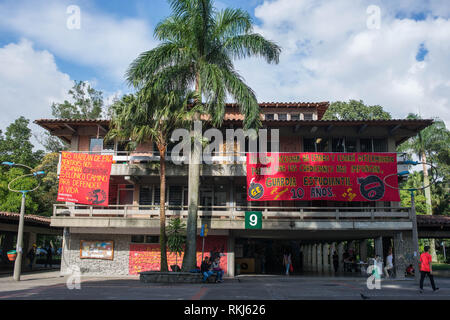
(389,264)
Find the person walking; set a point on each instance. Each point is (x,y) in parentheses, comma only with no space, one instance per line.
(287,261)
(31,255)
(389,264)
(49,256)
(426,269)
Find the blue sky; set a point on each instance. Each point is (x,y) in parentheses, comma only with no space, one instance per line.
(330,52)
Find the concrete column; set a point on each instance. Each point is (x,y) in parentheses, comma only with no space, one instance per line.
(65,255)
(309,257)
(332,250)
(319,257)
(341,256)
(379,246)
(326,257)
(363,250)
(314,257)
(399,256)
(230,256)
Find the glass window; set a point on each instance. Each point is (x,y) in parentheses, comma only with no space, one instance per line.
(350,145)
(157,196)
(175,195)
(151,239)
(270,116)
(309,145)
(282,116)
(365,145)
(145,195)
(307,116)
(137,238)
(220,195)
(338,145)
(96,145)
(380,145)
(295,117)
(206,197)
(241,197)
(321,145)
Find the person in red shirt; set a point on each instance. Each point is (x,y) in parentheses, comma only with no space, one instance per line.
(426,269)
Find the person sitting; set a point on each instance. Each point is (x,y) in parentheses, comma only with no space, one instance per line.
(410,270)
(217,270)
(206,269)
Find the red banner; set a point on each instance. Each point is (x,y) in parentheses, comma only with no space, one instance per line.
(84,178)
(322,176)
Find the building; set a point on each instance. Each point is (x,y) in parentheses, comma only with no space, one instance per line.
(312,230)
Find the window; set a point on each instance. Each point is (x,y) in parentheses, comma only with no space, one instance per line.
(295,117)
(343,145)
(126,192)
(96,145)
(308,116)
(220,195)
(145,195)
(270,116)
(175,195)
(315,144)
(140,238)
(241,197)
(282,116)
(373,145)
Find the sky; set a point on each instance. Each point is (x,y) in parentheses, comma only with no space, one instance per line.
(390,53)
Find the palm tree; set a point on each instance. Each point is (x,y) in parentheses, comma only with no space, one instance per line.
(426,145)
(151,117)
(198,45)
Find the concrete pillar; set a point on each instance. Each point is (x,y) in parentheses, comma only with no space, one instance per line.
(314,257)
(230,256)
(319,257)
(309,259)
(332,250)
(363,250)
(341,256)
(399,256)
(65,255)
(326,257)
(379,246)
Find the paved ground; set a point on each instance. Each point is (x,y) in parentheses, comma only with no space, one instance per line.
(51,286)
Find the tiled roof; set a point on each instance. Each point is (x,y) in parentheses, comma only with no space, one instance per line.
(28,218)
(433,221)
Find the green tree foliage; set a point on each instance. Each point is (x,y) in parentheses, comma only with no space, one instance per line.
(432,144)
(15,146)
(355,110)
(87,103)
(176,237)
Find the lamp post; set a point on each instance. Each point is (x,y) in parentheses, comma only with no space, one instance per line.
(413,215)
(19,245)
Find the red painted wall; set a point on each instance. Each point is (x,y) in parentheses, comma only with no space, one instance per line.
(146,257)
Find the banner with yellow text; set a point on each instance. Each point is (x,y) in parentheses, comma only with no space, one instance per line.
(322,176)
(84,178)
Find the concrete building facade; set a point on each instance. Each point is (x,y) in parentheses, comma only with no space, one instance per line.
(311,230)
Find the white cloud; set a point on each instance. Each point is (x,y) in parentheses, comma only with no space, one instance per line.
(29,83)
(330,54)
(103,42)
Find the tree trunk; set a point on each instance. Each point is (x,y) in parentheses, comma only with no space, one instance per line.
(426,182)
(162,208)
(190,252)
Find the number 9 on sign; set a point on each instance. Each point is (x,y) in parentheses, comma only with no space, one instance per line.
(253,220)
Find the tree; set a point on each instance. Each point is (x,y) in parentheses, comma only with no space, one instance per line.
(151,117)
(15,146)
(198,45)
(355,110)
(87,103)
(176,237)
(430,145)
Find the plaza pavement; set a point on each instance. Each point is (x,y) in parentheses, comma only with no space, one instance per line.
(52,286)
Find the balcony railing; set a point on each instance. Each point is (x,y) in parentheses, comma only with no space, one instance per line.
(235,212)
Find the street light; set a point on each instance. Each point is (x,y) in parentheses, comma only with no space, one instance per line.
(415,233)
(19,245)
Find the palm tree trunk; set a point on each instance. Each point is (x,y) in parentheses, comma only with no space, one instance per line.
(426,182)
(162,208)
(190,253)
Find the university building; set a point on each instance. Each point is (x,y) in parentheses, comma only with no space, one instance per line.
(128,229)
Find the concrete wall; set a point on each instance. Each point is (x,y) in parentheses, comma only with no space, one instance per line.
(117,266)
